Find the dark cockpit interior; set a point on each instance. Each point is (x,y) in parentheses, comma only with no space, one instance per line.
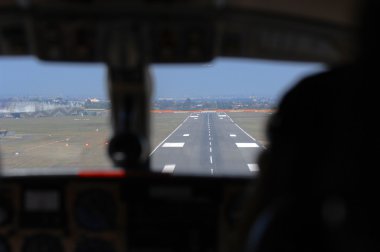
(316,186)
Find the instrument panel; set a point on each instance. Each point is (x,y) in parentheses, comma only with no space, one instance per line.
(61,217)
(109,215)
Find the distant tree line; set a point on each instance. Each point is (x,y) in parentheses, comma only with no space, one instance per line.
(97,105)
(188,104)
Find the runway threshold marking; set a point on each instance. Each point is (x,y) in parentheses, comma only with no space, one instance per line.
(173,145)
(169,168)
(247,145)
(253,167)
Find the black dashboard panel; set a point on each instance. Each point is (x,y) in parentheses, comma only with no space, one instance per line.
(142,213)
(61,214)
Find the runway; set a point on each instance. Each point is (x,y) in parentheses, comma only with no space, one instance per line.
(207,143)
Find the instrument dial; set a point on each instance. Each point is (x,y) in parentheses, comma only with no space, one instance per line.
(95,209)
(4,247)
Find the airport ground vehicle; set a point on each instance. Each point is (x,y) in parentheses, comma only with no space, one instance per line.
(43,212)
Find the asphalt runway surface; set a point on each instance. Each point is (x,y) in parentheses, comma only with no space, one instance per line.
(207,143)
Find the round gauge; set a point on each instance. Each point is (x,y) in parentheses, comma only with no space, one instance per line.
(3,245)
(5,212)
(94,245)
(42,243)
(95,209)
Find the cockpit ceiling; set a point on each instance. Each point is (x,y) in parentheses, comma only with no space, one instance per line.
(298,30)
(339,12)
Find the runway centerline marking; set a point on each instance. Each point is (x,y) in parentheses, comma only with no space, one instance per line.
(253,167)
(210,149)
(173,145)
(186,135)
(232,135)
(210,143)
(212,171)
(210,159)
(169,168)
(247,145)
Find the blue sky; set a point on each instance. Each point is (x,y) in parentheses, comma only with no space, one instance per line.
(27,76)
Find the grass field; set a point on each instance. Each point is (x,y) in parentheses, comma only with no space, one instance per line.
(68,141)
(253,123)
(163,124)
(55,142)
(82,141)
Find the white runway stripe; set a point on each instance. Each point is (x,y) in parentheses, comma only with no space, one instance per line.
(168,136)
(169,168)
(253,167)
(245,132)
(247,145)
(232,135)
(173,145)
(186,135)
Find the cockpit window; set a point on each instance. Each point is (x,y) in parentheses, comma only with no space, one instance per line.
(53,115)
(206,119)
(210,119)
